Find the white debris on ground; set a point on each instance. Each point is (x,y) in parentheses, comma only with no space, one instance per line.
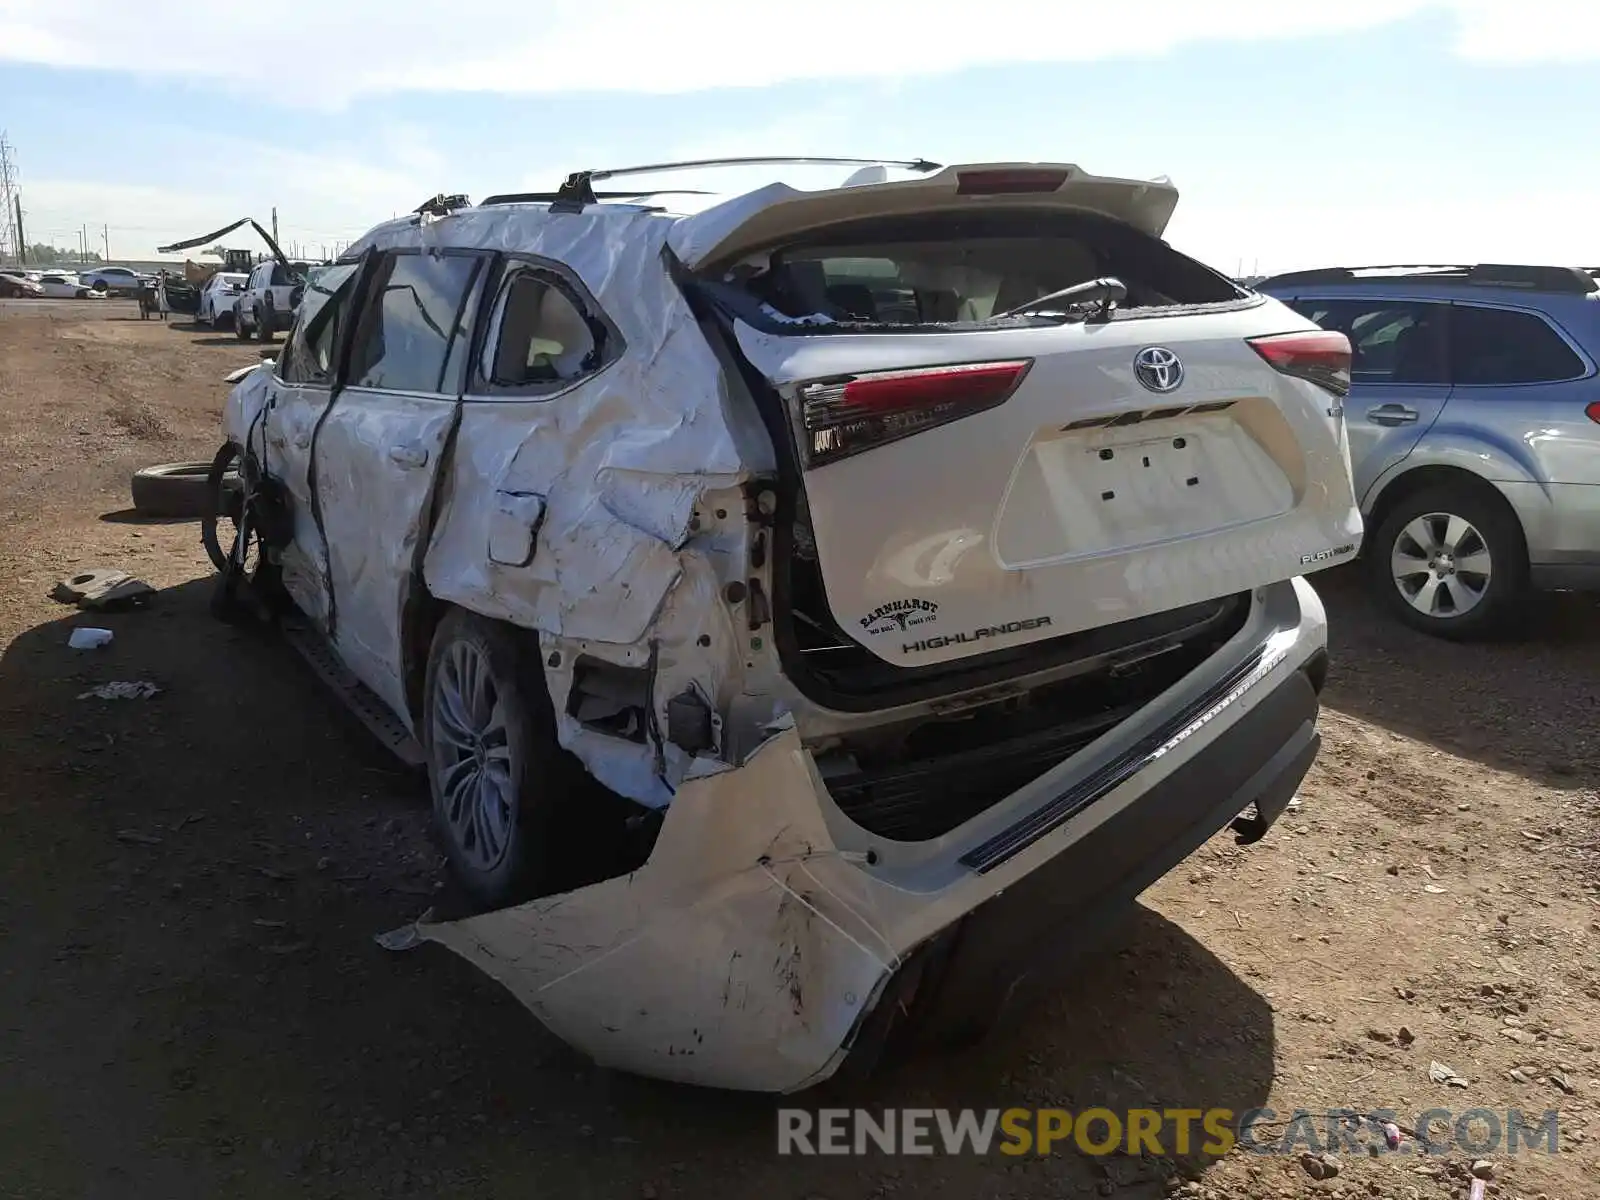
(141,690)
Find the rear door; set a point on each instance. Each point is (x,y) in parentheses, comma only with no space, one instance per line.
(380,448)
(1526,385)
(1399,375)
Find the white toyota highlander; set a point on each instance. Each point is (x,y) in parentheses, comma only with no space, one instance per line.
(889,581)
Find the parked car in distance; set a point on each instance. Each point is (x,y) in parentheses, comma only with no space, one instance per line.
(1474,420)
(118,281)
(267,304)
(59,286)
(218,295)
(17,286)
(931,550)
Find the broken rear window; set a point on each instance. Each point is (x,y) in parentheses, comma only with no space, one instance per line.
(959,269)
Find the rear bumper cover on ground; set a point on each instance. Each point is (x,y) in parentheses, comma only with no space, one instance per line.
(752,952)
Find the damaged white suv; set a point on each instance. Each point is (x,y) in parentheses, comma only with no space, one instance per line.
(896,579)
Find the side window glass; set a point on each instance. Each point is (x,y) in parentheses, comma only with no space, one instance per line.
(1497,346)
(404,335)
(309,355)
(545,337)
(280,275)
(1391,342)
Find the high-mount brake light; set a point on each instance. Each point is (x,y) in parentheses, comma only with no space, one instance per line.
(841,417)
(1321,356)
(1012,182)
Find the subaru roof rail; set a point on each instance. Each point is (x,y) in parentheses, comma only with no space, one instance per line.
(577,191)
(1577,280)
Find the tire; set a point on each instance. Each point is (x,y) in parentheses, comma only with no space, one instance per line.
(239,330)
(264,331)
(1436,535)
(223,493)
(172,490)
(502,843)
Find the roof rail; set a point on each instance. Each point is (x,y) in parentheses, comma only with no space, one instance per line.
(1577,280)
(552,197)
(577,191)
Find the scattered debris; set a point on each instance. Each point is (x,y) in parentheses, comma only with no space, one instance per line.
(142,689)
(1483,1169)
(1440,1073)
(86,638)
(1391,1135)
(1433,889)
(1404,1036)
(1320,1166)
(102,588)
(1518,1075)
(398,940)
(189,819)
(137,838)
(1564,1083)
(1405,993)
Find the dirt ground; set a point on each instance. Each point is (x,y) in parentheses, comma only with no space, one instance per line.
(191,1002)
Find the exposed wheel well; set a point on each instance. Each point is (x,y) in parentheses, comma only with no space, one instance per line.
(1425,478)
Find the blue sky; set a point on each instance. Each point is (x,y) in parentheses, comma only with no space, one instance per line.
(1297,133)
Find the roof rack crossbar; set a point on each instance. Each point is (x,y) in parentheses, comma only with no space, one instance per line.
(578,190)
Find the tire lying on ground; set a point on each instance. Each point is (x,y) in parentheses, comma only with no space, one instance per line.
(174,489)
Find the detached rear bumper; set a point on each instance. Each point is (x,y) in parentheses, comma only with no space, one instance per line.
(753,952)
(1018,943)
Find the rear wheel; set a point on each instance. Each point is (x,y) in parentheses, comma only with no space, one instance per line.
(264,329)
(240,330)
(496,773)
(1451,562)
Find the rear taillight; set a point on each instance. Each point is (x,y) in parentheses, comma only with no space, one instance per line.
(1321,356)
(1593,412)
(1008,182)
(841,417)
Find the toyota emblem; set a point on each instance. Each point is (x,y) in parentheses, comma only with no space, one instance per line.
(1158,369)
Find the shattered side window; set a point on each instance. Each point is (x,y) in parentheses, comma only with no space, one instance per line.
(404,336)
(309,356)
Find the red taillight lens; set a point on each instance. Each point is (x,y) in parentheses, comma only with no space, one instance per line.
(1319,355)
(841,417)
(1593,412)
(1008,183)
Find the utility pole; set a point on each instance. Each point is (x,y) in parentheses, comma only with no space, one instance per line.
(83,243)
(11,242)
(274,222)
(105,236)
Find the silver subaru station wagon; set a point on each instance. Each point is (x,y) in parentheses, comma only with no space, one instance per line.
(1474,428)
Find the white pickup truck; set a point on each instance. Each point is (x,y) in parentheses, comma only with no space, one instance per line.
(269,299)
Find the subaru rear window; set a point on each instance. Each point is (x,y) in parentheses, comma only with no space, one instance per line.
(959,269)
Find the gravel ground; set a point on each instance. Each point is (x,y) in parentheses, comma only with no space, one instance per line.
(192,1004)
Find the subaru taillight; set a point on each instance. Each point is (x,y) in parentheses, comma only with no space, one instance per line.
(1321,356)
(841,417)
(1593,411)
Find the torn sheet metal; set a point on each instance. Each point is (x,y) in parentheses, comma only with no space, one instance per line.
(586,515)
(743,955)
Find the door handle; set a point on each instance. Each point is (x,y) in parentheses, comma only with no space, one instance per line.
(409,457)
(1392,414)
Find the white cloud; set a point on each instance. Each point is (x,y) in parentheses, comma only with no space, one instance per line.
(367,47)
